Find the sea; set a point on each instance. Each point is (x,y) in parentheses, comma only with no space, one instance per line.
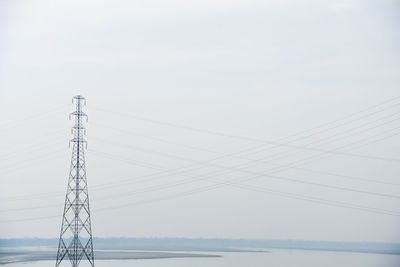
(270,258)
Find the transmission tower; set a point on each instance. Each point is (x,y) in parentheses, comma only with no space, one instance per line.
(76,233)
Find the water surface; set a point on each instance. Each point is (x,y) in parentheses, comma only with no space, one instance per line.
(275,258)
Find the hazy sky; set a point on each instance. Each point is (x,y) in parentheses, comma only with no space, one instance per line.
(159,74)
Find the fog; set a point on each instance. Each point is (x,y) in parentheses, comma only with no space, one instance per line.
(172,84)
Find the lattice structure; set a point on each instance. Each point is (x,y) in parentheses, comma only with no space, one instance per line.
(76,233)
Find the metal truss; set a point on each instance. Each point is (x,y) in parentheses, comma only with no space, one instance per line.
(76,234)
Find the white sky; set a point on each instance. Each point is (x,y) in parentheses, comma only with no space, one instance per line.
(259,69)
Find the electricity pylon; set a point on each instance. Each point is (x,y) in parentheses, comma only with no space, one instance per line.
(76,233)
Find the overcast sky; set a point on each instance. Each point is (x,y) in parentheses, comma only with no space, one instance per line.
(172,84)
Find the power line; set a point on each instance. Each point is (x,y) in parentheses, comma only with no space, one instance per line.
(14,123)
(288,179)
(185,181)
(30,160)
(286,166)
(233,154)
(348,116)
(208,188)
(265,142)
(338,137)
(250,160)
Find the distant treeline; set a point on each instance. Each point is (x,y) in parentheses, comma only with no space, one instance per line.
(208,244)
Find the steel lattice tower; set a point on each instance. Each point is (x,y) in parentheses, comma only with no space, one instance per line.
(76,233)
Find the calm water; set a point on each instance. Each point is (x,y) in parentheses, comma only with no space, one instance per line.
(277,258)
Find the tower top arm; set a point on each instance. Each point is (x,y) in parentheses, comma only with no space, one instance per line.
(78,113)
